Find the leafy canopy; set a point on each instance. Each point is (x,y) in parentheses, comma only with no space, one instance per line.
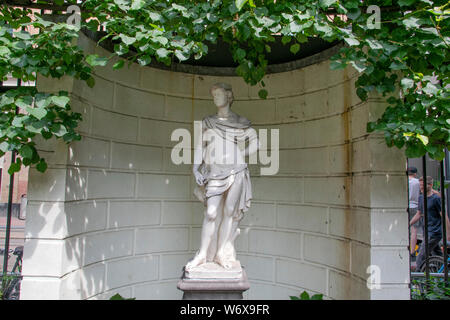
(404,57)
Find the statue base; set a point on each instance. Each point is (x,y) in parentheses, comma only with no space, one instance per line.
(208,282)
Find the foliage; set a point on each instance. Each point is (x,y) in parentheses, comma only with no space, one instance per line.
(119,297)
(305,296)
(405,59)
(437,289)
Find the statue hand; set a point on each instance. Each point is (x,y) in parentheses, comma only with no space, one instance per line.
(199,178)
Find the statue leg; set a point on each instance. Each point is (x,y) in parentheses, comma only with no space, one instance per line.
(208,231)
(228,226)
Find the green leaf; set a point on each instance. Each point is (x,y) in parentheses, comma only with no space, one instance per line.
(15,167)
(126,39)
(182,56)
(240,4)
(162,52)
(37,112)
(263,93)
(317,297)
(304,296)
(403,3)
(240,54)
(41,166)
(286,39)
(407,83)
(95,60)
(295,48)
(137,4)
(326,3)
(90,82)
(294,298)
(60,101)
(26,151)
(119,64)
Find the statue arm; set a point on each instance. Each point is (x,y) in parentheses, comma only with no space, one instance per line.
(199,146)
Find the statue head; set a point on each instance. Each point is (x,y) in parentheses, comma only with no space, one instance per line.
(222,94)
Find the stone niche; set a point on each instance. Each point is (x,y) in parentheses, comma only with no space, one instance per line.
(113,214)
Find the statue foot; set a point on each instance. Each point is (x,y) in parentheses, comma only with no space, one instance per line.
(220,260)
(198,260)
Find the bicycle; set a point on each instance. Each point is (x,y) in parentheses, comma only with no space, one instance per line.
(436,263)
(11,283)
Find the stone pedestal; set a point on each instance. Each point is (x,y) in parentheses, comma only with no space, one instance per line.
(209,283)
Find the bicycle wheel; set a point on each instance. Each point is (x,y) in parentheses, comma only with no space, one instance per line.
(435,263)
(12,292)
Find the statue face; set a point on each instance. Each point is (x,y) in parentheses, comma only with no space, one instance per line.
(220,97)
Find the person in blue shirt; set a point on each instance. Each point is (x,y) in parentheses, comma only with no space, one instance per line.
(434,221)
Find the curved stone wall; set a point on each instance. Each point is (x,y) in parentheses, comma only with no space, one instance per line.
(113,214)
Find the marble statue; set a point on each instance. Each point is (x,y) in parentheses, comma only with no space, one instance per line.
(223,180)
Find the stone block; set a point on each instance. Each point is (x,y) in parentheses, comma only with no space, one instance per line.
(350,223)
(290,108)
(171,265)
(325,131)
(337,98)
(47,186)
(384,186)
(100,95)
(203,108)
(258,268)
(129,74)
(391,292)
(360,260)
(257,111)
(344,287)
(306,218)
(76,184)
(274,188)
(134,213)
(114,125)
(89,152)
(151,240)
(393,264)
(85,217)
(259,215)
(131,270)
(163,81)
(155,132)
(389,227)
(49,263)
(52,85)
(85,110)
(108,184)
(178,108)
(107,245)
(45,220)
(163,186)
(338,159)
(136,157)
(269,291)
(278,243)
(182,213)
(330,190)
(309,161)
(337,251)
(158,291)
(44,288)
(138,102)
(296,273)
(88,281)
